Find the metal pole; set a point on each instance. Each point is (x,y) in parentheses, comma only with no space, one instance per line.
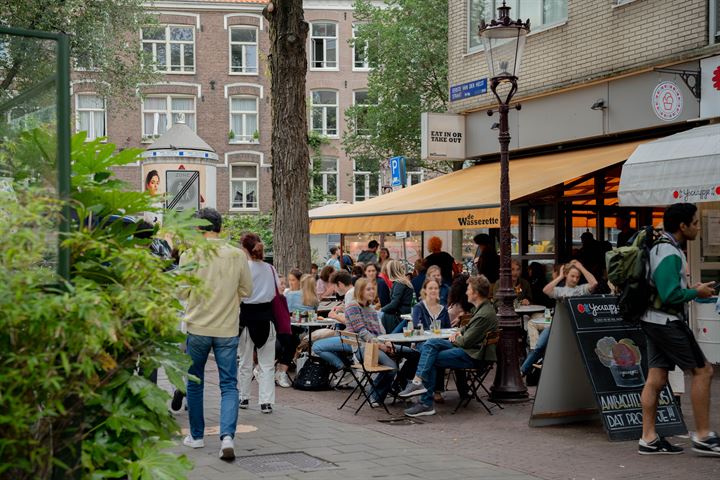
(508,385)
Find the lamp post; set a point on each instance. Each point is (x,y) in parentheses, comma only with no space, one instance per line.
(504,41)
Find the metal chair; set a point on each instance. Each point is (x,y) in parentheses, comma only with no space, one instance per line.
(361,371)
(474,377)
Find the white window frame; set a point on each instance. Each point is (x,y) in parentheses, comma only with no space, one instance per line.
(243,45)
(168,112)
(323,130)
(256,179)
(364,106)
(415,173)
(324,174)
(92,135)
(365,67)
(168,55)
(325,60)
(244,113)
(490,13)
(357,174)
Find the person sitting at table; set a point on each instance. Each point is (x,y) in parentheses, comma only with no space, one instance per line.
(304,298)
(433,272)
(461,350)
(459,307)
(341,282)
(537,276)
(383,292)
(323,287)
(360,318)
(523,290)
(401,296)
(428,309)
(419,273)
(571,274)
(358,271)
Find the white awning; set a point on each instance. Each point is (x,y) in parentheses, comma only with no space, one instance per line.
(684,167)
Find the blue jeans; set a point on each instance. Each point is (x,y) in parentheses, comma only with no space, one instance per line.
(225,349)
(330,349)
(536,354)
(400,327)
(441,353)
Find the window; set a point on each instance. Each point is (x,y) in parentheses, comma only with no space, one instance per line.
(323,43)
(243,119)
(162,112)
(325,177)
(367,185)
(243,187)
(360,100)
(90,111)
(540,13)
(171,47)
(324,118)
(360,55)
(243,50)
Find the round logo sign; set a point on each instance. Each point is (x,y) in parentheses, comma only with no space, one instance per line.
(667,101)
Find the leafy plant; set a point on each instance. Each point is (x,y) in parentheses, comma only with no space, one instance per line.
(231,135)
(75,399)
(234,226)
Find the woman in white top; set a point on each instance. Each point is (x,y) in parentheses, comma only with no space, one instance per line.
(257,326)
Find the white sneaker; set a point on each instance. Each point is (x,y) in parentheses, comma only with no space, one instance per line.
(343,381)
(282,379)
(227,448)
(189,441)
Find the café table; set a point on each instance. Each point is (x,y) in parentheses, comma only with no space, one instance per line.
(529,309)
(315,324)
(428,335)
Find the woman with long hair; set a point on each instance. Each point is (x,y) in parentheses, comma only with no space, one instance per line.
(401,296)
(323,287)
(258,327)
(152,184)
(384,256)
(383,292)
(301,296)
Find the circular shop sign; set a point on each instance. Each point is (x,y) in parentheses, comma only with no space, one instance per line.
(667,101)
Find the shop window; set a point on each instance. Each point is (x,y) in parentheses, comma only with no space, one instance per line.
(243,50)
(360,54)
(171,48)
(90,113)
(415,177)
(324,108)
(323,45)
(160,113)
(244,120)
(541,229)
(243,187)
(325,177)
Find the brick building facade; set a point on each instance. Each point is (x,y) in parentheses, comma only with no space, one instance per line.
(212,55)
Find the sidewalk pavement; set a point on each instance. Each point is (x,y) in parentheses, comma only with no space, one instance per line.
(470,444)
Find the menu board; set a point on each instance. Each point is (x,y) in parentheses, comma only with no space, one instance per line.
(613,352)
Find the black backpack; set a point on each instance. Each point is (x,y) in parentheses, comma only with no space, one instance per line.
(314,375)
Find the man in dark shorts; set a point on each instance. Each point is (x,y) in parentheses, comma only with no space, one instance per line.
(670,341)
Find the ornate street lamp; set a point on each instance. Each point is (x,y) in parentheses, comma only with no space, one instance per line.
(504,41)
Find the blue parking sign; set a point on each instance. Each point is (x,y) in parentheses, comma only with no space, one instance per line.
(397,171)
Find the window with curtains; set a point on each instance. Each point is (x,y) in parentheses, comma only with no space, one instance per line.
(323,46)
(243,187)
(324,108)
(325,177)
(90,113)
(243,50)
(244,120)
(162,112)
(541,13)
(360,54)
(170,47)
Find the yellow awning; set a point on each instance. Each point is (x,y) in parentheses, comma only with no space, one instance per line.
(468,198)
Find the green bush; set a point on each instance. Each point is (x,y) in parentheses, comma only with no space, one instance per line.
(234,226)
(72,403)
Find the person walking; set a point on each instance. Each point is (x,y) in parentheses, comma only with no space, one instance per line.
(440,258)
(257,328)
(212,324)
(487,261)
(334,260)
(369,255)
(670,341)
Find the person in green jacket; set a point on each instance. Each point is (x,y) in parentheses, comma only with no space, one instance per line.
(464,349)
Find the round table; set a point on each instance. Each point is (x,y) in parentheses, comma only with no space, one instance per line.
(528,309)
(401,338)
(406,316)
(312,325)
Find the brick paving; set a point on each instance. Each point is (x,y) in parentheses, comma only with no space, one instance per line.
(470,444)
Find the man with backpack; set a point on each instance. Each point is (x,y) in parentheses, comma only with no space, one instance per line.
(670,341)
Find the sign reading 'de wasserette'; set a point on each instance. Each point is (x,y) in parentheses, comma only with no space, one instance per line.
(443,136)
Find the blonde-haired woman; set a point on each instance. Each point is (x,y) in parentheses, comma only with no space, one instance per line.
(401,295)
(303,298)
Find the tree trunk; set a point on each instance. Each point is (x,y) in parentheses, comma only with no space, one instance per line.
(290,155)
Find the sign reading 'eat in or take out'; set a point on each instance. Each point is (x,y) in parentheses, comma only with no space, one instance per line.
(443,136)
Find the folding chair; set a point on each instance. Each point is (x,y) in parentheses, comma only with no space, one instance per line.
(475,376)
(361,371)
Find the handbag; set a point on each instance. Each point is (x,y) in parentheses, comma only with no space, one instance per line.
(280,310)
(314,375)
